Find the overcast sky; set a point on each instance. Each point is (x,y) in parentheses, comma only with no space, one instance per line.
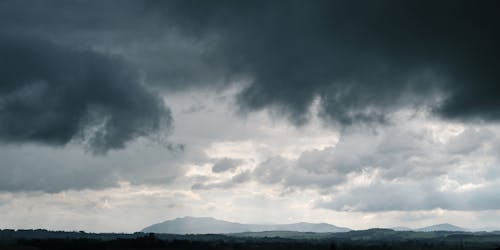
(115,115)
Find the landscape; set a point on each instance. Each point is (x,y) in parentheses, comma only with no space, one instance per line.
(249,124)
(210,233)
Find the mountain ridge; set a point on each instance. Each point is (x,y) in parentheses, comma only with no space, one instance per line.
(441,227)
(208,225)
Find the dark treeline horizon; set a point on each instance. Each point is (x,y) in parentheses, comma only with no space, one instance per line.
(363,239)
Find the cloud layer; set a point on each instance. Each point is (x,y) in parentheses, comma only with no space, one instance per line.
(362,60)
(408,167)
(393,100)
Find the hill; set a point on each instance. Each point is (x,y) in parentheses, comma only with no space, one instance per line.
(442,227)
(207,225)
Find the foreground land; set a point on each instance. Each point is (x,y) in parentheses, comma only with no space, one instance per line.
(365,239)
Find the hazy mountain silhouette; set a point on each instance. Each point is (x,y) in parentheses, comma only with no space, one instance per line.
(438,227)
(442,227)
(207,225)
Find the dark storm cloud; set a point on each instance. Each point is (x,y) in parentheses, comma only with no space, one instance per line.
(363,58)
(129,28)
(54,94)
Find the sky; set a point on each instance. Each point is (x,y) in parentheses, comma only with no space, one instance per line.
(115,115)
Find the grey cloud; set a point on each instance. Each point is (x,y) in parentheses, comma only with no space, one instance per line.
(237,179)
(401,168)
(304,179)
(392,154)
(54,94)
(226,164)
(386,197)
(51,169)
(394,151)
(272,171)
(411,196)
(469,141)
(242,177)
(278,170)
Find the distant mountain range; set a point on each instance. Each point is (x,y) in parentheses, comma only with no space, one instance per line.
(442,227)
(206,225)
(433,228)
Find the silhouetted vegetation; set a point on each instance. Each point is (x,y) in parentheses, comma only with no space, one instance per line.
(374,239)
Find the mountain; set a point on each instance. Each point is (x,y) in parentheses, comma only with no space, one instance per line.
(438,227)
(442,227)
(207,225)
(196,225)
